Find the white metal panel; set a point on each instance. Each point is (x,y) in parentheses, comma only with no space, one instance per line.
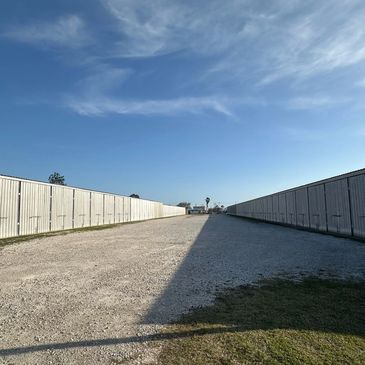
(34,208)
(291,208)
(269,212)
(61,208)
(302,209)
(81,208)
(338,207)
(239,210)
(357,193)
(9,200)
(119,209)
(275,205)
(127,209)
(109,209)
(97,209)
(317,208)
(134,209)
(282,209)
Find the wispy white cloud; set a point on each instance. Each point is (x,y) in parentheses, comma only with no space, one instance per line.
(68,31)
(314,102)
(281,39)
(169,107)
(102,80)
(240,44)
(95,96)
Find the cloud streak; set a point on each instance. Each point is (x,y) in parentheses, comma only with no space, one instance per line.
(169,107)
(68,31)
(285,39)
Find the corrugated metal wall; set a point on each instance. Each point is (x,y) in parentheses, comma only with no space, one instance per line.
(357,198)
(30,207)
(61,208)
(35,204)
(9,200)
(335,205)
(81,208)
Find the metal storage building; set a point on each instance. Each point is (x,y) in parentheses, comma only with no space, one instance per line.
(335,205)
(31,207)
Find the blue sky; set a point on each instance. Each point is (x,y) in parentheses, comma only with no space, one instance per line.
(177,100)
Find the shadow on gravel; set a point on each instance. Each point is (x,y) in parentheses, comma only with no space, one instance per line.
(230,251)
(325,306)
(214,262)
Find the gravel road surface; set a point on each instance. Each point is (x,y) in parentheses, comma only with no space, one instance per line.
(99,297)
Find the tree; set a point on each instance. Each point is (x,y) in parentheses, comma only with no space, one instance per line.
(56,178)
(134,196)
(184,205)
(207,200)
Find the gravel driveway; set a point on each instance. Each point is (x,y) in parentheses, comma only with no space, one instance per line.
(98,297)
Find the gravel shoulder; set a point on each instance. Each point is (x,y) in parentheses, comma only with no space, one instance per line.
(100,297)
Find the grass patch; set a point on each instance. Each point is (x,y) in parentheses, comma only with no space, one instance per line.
(279,322)
(12,240)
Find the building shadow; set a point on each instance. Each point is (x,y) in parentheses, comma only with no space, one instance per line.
(231,251)
(214,263)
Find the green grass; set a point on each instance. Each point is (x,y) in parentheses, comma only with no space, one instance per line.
(279,322)
(12,240)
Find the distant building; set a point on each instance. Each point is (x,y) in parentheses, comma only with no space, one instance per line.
(197,209)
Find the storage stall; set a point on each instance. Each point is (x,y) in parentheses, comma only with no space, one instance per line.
(31,207)
(282,208)
(357,199)
(338,207)
(317,208)
(9,201)
(81,208)
(291,214)
(335,205)
(34,208)
(109,209)
(61,207)
(302,208)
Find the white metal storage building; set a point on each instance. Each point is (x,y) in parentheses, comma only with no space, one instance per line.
(31,207)
(335,205)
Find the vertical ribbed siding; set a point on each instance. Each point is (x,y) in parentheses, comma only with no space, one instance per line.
(9,197)
(81,208)
(282,208)
(97,209)
(119,209)
(302,209)
(29,207)
(34,208)
(291,208)
(275,205)
(335,205)
(317,208)
(338,207)
(109,209)
(62,208)
(127,209)
(357,194)
(269,216)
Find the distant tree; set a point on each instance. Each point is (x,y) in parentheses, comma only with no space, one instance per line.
(134,196)
(56,178)
(184,205)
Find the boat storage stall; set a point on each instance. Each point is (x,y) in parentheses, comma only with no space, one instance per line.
(335,205)
(31,207)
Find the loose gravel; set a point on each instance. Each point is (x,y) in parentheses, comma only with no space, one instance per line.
(100,297)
